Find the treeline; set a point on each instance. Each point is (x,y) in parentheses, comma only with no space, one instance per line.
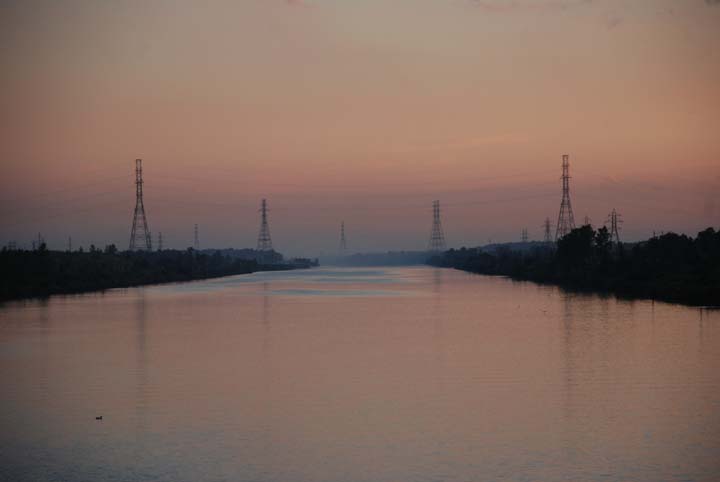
(671,267)
(40,272)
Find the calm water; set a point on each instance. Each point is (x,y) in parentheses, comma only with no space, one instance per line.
(398,374)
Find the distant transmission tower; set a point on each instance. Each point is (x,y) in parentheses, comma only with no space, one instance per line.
(566,220)
(615,222)
(69,244)
(343,241)
(587,221)
(437,237)
(264,242)
(524,235)
(160,241)
(196,243)
(547,229)
(140,238)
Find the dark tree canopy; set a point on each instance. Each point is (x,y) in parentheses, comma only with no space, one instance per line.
(41,272)
(670,267)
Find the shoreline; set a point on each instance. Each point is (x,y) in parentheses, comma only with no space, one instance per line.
(568,288)
(40,274)
(672,268)
(44,297)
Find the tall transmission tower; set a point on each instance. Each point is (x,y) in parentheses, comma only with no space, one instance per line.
(615,222)
(39,243)
(524,235)
(437,237)
(140,238)
(196,242)
(547,229)
(343,241)
(566,220)
(264,242)
(160,241)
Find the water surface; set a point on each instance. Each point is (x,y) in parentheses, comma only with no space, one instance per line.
(398,374)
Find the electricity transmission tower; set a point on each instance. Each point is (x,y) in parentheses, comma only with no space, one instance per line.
(140,238)
(343,241)
(524,235)
(566,220)
(196,243)
(264,242)
(547,228)
(437,237)
(160,241)
(587,221)
(615,222)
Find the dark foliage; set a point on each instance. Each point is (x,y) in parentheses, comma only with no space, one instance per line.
(670,267)
(41,272)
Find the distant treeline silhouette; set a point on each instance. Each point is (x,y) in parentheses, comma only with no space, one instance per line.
(670,267)
(41,272)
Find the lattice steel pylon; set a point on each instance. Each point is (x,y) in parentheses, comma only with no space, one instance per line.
(140,238)
(343,241)
(566,220)
(196,240)
(160,241)
(615,222)
(547,228)
(264,242)
(524,235)
(437,237)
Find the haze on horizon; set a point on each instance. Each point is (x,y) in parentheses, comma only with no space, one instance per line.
(356,111)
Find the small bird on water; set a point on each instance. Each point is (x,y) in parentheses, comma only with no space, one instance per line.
(99,417)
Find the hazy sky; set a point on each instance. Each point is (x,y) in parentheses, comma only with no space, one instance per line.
(362,111)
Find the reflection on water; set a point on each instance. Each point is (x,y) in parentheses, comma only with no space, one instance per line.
(397,374)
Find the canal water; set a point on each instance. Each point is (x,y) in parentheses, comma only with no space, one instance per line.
(343,374)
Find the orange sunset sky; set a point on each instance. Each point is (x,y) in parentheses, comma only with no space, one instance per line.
(362,111)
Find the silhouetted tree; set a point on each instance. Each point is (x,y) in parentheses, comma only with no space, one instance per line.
(671,267)
(576,246)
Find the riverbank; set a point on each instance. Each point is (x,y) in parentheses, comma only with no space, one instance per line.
(41,273)
(674,268)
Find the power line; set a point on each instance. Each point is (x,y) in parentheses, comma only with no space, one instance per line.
(80,187)
(566,220)
(615,221)
(54,203)
(140,238)
(437,236)
(415,184)
(343,241)
(264,242)
(547,230)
